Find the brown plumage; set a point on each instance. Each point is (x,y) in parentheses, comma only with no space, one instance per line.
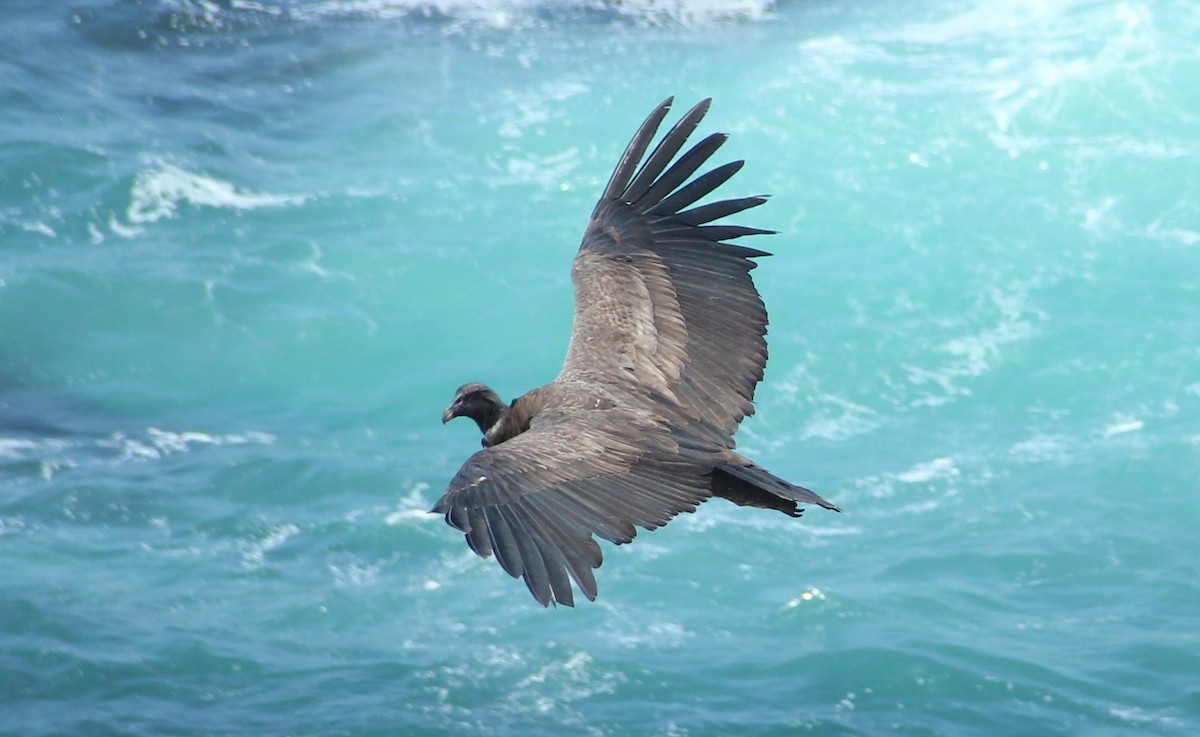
(666,350)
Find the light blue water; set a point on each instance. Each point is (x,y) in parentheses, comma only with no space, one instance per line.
(249,249)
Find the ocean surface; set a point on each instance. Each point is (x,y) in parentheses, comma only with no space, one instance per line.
(248,250)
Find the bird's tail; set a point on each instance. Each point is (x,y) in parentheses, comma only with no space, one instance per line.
(753,486)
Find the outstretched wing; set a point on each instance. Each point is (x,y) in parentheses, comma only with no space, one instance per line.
(669,328)
(536,500)
(663,305)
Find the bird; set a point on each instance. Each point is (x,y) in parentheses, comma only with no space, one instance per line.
(666,348)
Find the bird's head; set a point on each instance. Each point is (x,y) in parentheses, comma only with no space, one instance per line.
(478,402)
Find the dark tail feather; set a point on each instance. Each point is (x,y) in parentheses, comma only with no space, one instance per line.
(753,486)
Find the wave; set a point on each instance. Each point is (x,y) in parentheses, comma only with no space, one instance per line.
(507,13)
(46,456)
(158,192)
(125,25)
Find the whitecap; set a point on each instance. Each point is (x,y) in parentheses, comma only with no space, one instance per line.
(808,595)
(121,229)
(853,421)
(355,575)
(414,506)
(158,191)
(168,442)
(55,454)
(975,354)
(254,553)
(938,468)
(10,526)
(1122,427)
(40,228)
(159,443)
(1183,236)
(1140,716)
(509,14)
(696,12)
(519,111)
(1098,217)
(403,515)
(17,448)
(1041,448)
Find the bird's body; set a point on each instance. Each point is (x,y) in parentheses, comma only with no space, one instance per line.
(666,350)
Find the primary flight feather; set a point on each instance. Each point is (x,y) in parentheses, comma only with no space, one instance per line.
(666,350)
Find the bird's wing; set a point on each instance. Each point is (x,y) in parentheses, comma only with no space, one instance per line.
(663,305)
(537,499)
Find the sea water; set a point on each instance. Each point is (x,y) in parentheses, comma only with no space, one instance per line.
(248,250)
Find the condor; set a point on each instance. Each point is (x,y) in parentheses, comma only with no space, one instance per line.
(666,350)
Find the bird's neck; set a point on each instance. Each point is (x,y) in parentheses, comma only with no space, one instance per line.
(510,420)
(492,421)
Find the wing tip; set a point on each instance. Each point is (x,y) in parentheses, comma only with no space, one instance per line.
(700,109)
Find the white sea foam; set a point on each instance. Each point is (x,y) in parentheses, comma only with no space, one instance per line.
(523,109)
(10,526)
(938,468)
(1183,236)
(40,228)
(810,594)
(976,353)
(504,14)
(922,487)
(695,12)
(1042,448)
(254,553)
(847,421)
(414,506)
(17,448)
(314,266)
(1123,426)
(355,574)
(55,454)
(1140,716)
(49,454)
(546,171)
(159,190)
(828,416)
(400,516)
(159,443)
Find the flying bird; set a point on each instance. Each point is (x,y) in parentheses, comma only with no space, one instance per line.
(666,349)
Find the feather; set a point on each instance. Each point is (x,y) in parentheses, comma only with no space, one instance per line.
(666,349)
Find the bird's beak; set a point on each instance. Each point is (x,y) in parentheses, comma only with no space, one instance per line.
(450,413)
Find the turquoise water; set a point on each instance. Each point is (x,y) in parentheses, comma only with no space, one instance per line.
(248,250)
